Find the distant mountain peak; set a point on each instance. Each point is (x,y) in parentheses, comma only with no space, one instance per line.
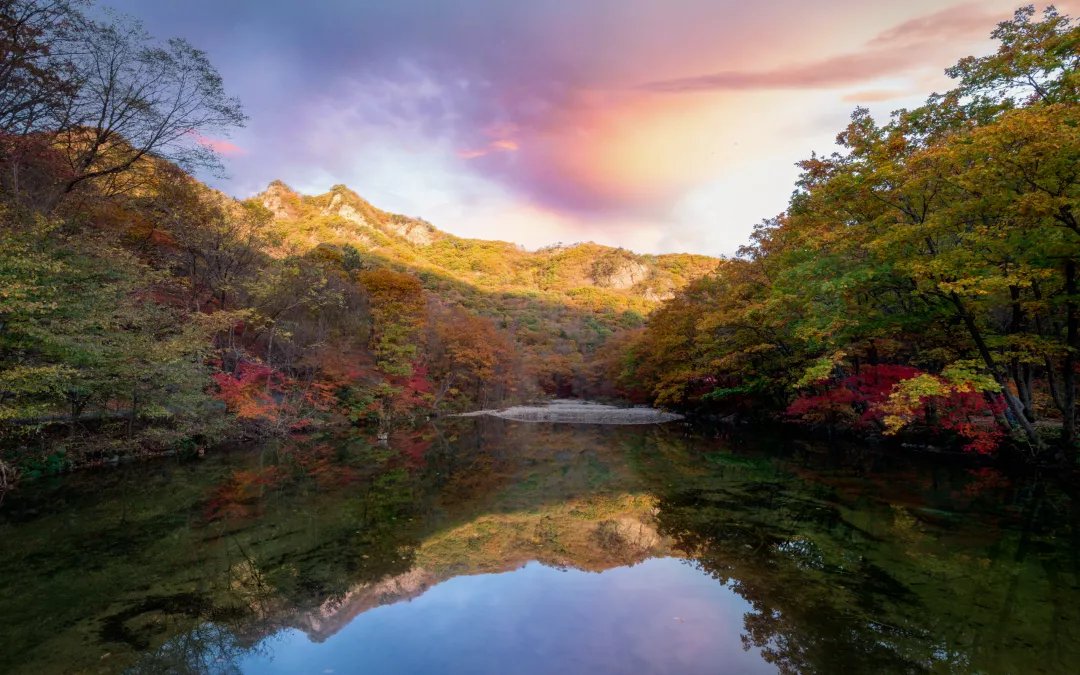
(278,184)
(281,200)
(340,216)
(341,201)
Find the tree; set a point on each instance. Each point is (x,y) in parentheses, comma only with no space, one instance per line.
(217,242)
(38,40)
(943,244)
(398,309)
(1036,62)
(468,355)
(83,338)
(135,99)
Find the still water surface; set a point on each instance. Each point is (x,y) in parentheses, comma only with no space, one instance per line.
(488,546)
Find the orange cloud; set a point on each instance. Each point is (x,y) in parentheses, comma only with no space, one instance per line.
(875,95)
(471,154)
(500,145)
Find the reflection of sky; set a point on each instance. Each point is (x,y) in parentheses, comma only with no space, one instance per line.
(654,124)
(661,616)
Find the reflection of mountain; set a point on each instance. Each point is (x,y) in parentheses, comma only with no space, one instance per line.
(563,497)
(336,613)
(494,545)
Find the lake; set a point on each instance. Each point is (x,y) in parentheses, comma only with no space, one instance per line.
(492,546)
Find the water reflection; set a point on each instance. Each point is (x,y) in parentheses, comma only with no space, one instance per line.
(661,616)
(562,548)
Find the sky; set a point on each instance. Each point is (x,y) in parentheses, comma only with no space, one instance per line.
(655,125)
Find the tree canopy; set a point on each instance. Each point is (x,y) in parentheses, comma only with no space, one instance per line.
(943,240)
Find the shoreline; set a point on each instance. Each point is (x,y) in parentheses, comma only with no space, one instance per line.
(570,411)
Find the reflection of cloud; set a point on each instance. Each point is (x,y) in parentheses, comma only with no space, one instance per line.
(660,615)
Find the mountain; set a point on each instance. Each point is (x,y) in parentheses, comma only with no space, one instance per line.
(586,275)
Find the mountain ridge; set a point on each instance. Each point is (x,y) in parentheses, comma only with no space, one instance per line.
(340,216)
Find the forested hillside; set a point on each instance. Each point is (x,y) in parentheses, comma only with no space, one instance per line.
(143,312)
(559,303)
(924,277)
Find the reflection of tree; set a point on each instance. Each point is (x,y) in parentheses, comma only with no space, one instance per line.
(840,580)
(203,648)
(763,543)
(231,549)
(304,535)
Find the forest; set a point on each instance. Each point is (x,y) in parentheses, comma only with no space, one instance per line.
(922,282)
(142,312)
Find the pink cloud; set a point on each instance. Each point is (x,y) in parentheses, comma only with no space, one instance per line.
(220,145)
(501,130)
(905,47)
(954,23)
(836,71)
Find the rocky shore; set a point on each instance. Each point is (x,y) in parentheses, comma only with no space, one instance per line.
(562,411)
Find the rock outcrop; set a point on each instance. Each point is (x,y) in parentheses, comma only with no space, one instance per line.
(579,412)
(281,201)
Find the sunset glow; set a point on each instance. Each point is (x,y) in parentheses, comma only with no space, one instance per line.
(653,125)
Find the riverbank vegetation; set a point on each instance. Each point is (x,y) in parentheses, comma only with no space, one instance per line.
(922,283)
(143,312)
(924,277)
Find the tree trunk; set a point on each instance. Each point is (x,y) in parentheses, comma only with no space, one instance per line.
(1020,372)
(269,356)
(1015,407)
(1072,344)
(134,410)
(1021,377)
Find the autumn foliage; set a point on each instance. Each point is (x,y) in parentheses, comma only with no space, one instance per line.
(887,398)
(924,277)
